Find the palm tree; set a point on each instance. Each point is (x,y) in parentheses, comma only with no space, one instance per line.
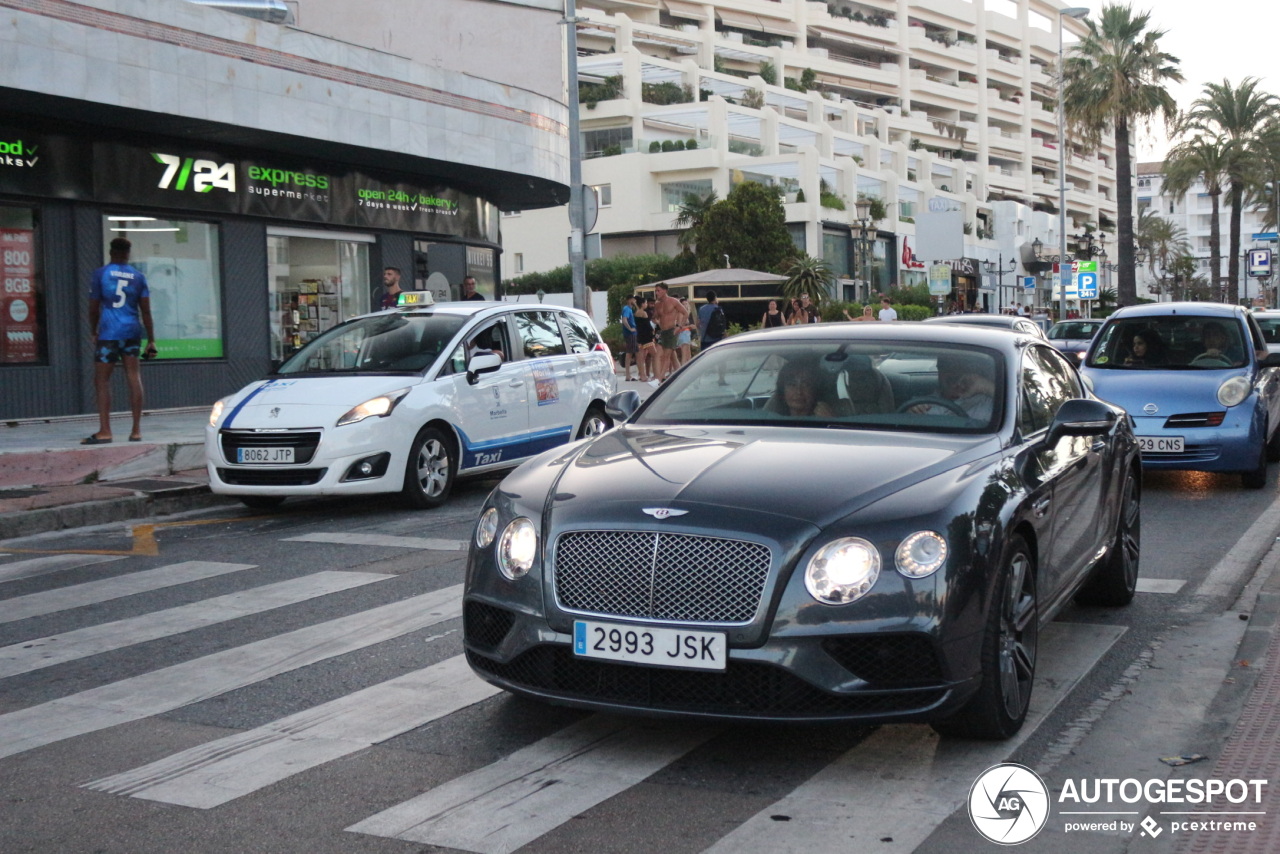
(1115,76)
(1238,116)
(809,275)
(1201,157)
(691,215)
(1163,241)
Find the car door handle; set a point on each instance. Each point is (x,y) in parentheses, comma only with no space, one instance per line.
(1041,507)
(516,384)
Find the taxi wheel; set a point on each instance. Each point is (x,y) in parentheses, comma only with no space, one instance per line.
(594,423)
(429,473)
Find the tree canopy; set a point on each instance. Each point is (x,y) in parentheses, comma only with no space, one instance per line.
(750,227)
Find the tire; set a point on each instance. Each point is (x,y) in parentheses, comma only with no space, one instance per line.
(594,422)
(261,502)
(430,470)
(1009,647)
(1273,447)
(1256,478)
(1115,580)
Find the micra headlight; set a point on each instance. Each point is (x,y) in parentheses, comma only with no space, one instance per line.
(1234,391)
(843,570)
(216,413)
(377,407)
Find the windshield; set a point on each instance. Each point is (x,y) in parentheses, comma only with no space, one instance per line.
(1073,330)
(1270,325)
(880,385)
(384,343)
(1179,342)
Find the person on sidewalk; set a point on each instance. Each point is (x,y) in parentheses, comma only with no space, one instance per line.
(630,346)
(391,283)
(469,292)
(119,312)
(668,315)
(887,312)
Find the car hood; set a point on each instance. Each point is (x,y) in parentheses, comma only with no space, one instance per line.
(1171,391)
(816,475)
(304,401)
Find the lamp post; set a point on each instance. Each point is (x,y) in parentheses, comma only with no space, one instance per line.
(999,270)
(862,229)
(1076,12)
(577,210)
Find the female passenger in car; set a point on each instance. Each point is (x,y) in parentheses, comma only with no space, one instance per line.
(798,391)
(1146,349)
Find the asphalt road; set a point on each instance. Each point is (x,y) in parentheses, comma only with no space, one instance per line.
(147,704)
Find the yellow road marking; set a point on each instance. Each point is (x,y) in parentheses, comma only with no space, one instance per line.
(144,540)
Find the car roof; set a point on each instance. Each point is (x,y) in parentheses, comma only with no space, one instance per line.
(907,332)
(1166,309)
(475,308)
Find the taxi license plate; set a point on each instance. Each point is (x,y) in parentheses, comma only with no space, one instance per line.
(1160,444)
(264,456)
(638,645)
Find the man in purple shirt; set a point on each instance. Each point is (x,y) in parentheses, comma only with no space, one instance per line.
(119,313)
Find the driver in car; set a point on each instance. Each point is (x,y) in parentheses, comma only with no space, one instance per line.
(964,381)
(1217,345)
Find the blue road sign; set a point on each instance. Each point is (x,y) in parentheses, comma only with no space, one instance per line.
(1087,285)
(1029,283)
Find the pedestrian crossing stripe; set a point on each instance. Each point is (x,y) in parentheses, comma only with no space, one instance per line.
(387,540)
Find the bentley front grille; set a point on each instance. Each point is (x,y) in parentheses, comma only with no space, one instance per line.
(660,576)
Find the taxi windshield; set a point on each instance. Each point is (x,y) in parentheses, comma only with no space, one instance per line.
(389,342)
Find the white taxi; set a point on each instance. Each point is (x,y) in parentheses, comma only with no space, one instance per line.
(409,399)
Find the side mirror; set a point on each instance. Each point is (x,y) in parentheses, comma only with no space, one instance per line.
(1080,417)
(622,406)
(482,363)
(1272,361)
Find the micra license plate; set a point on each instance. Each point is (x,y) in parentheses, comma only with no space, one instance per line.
(661,647)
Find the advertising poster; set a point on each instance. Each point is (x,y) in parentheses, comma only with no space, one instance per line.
(19,330)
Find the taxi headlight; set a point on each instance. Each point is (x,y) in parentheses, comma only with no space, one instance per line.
(843,570)
(487,528)
(1234,391)
(377,407)
(517,548)
(921,554)
(216,413)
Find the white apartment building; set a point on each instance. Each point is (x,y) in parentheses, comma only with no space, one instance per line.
(1192,213)
(944,105)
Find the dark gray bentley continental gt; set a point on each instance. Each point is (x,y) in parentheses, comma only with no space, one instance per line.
(861,522)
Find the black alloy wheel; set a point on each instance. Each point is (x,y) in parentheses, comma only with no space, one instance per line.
(1009,649)
(1115,579)
(1256,478)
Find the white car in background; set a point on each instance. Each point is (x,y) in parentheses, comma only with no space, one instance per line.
(409,399)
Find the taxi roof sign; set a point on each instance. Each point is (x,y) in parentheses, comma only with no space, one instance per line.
(414,299)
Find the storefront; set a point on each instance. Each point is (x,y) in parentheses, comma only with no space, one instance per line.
(248,255)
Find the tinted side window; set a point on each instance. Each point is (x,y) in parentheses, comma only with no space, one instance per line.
(1047,382)
(540,334)
(580,334)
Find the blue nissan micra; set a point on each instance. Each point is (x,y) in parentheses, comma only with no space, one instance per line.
(1197,378)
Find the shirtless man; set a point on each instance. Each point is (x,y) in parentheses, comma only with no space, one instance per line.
(668,314)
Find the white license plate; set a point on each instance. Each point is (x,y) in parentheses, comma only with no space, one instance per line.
(264,456)
(1160,444)
(650,645)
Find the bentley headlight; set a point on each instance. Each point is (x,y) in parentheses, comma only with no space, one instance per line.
(487,529)
(517,548)
(377,407)
(843,570)
(1234,391)
(216,413)
(921,554)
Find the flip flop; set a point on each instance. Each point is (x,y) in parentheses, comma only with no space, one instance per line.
(94,440)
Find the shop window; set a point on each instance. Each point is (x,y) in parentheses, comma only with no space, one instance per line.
(180,260)
(315,283)
(22,304)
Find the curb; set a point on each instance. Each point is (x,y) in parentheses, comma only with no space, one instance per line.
(141,505)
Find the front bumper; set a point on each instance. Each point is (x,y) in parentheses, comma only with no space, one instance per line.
(871,678)
(325,459)
(1232,446)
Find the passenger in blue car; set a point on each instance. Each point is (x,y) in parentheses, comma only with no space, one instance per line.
(1145,350)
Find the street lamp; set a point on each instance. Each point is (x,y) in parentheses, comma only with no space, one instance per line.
(999,270)
(863,227)
(1076,12)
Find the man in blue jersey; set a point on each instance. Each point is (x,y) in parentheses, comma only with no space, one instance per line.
(119,312)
